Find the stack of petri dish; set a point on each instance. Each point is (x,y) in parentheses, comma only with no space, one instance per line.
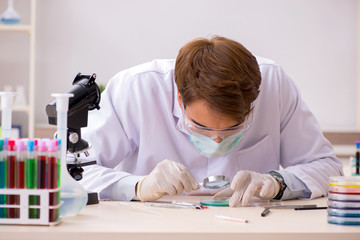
(344,200)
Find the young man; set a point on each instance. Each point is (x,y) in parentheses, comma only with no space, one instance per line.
(217,110)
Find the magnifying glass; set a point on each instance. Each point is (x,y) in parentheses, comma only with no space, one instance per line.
(215,182)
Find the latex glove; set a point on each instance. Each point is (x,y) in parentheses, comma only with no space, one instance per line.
(247,184)
(167,177)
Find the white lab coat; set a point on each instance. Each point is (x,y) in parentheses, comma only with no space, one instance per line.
(140,124)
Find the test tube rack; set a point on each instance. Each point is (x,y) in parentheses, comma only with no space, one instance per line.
(24,206)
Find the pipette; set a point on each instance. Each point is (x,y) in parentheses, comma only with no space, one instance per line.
(7,99)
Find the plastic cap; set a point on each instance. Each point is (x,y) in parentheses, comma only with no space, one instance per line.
(30,145)
(357,144)
(11,145)
(20,146)
(52,146)
(41,146)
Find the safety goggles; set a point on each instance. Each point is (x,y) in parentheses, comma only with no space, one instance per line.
(213,133)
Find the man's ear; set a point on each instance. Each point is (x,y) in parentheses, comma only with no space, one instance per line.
(179,98)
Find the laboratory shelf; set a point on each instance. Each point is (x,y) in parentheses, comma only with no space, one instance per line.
(15,28)
(30,30)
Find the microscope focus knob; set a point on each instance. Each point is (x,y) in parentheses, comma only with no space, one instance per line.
(73,137)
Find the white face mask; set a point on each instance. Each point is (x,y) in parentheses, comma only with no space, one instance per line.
(209,148)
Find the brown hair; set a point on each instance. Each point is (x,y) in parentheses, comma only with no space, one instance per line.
(220,71)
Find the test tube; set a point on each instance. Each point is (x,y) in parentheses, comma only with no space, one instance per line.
(41,168)
(52,176)
(59,162)
(41,165)
(2,177)
(20,168)
(11,178)
(20,164)
(30,176)
(58,155)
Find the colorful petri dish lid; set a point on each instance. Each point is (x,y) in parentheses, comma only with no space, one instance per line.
(344,196)
(345,181)
(344,204)
(343,220)
(344,212)
(348,190)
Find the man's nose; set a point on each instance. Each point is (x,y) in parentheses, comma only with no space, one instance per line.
(218,139)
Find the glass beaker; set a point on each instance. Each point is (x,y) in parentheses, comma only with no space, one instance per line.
(10,16)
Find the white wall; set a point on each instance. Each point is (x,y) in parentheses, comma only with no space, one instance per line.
(314,40)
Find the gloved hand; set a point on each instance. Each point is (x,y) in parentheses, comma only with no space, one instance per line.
(167,177)
(247,184)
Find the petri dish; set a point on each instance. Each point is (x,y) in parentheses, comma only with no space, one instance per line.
(344,196)
(343,220)
(216,203)
(344,181)
(345,184)
(336,189)
(215,182)
(344,204)
(344,212)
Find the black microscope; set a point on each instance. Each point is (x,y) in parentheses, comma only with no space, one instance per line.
(86,98)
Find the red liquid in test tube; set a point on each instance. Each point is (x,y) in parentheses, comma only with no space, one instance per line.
(20,164)
(41,165)
(11,179)
(20,169)
(41,169)
(52,179)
